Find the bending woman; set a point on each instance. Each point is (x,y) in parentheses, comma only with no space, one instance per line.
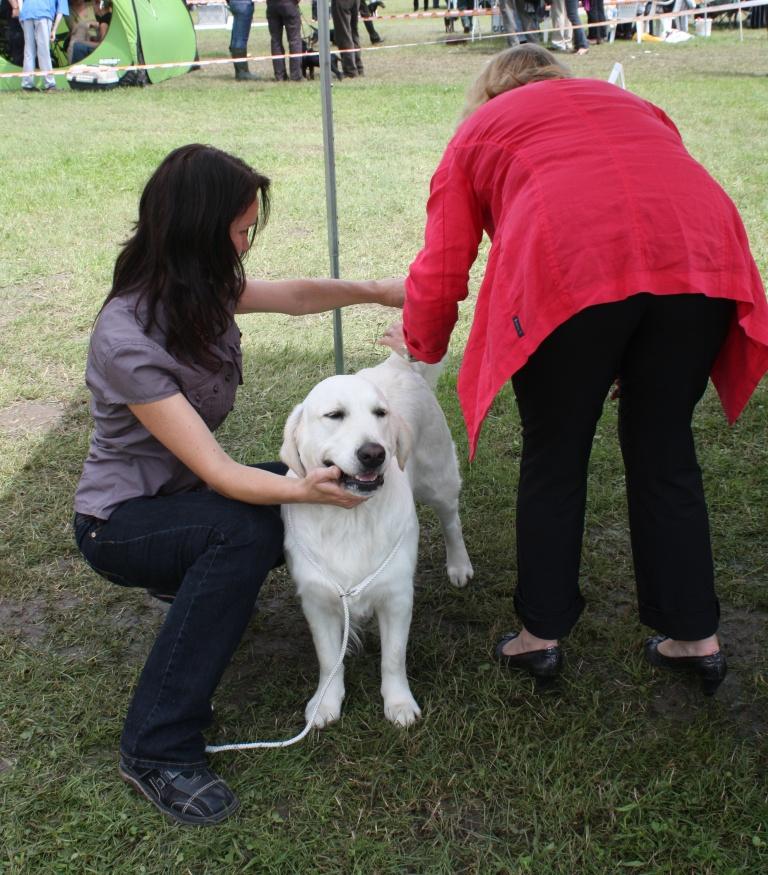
(160,504)
(614,254)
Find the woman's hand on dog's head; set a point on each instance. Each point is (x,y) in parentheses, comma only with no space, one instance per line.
(321,486)
(394,338)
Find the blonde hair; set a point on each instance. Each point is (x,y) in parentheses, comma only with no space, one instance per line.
(510,69)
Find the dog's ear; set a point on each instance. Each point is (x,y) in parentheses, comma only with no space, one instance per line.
(289,452)
(403,440)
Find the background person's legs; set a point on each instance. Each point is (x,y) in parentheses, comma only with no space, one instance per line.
(242,17)
(525,11)
(292,24)
(579,36)
(43,43)
(285,14)
(275,25)
(30,54)
(561,32)
(342,12)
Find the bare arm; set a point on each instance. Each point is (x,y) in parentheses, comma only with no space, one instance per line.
(176,424)
(301,296)
(55,27)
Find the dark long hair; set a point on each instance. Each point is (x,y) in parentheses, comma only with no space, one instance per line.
(181,258)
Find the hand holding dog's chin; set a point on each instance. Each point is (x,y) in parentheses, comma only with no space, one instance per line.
(321,486)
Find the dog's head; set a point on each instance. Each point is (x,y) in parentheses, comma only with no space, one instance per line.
(346,421)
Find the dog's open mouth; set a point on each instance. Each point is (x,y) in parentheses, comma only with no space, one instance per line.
(364,482)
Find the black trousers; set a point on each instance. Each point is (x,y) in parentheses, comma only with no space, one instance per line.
(345,14)
(285,15)
(662,349)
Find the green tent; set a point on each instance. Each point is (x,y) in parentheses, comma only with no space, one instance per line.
(141,32)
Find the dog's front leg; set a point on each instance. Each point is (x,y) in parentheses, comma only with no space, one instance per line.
(327,633)
(394,616)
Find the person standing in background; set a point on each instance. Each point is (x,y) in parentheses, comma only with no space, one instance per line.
(39,20)
(285,14)
(560,37)
(242,17)
(596,13)
(345,15)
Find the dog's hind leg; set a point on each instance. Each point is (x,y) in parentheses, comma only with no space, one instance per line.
(394,616)
(327,634)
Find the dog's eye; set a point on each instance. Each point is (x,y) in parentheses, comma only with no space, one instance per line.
(380,412)
(335,414)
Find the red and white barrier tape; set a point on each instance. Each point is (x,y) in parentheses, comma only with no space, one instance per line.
(212,62)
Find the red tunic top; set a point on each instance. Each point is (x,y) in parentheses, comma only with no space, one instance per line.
(588,196)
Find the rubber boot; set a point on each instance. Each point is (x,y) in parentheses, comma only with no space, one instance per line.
(372,33)
(242,73)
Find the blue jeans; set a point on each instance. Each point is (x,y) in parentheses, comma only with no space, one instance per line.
(242,16)
(214,554)
(80,51)
(579,36)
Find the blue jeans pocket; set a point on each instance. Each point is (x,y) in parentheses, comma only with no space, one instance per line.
(87,531)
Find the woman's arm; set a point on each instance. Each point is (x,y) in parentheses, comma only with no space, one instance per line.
(301,296)
(176,424)
(439,275)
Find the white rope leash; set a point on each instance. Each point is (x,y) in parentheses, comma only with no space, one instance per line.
(344,595)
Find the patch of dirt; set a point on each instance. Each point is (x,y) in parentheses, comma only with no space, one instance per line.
(30,417)
(743,633)
(5,766)
(25,620)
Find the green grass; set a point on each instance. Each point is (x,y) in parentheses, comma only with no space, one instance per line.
(619,770)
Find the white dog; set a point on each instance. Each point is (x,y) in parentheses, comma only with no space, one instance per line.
(384,429)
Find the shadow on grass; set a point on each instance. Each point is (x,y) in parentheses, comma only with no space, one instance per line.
(73,645)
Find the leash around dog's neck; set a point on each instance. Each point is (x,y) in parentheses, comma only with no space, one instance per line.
(344,595)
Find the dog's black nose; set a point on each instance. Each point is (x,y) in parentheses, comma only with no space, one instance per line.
(371,455)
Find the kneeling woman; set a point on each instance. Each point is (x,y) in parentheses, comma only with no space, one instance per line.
(160,504)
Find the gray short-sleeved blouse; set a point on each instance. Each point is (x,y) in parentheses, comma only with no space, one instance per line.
(126,366)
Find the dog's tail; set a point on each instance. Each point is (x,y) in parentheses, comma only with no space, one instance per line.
(430,373)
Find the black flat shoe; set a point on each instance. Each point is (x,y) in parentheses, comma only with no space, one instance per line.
(544,665)
(711,669)
(193,796)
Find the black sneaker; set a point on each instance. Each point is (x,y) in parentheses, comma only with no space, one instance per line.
(194,796)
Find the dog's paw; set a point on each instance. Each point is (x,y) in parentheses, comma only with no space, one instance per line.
(460,573)
(328,712)
(402,711)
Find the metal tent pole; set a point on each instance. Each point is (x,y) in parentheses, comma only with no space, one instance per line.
(323,29)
